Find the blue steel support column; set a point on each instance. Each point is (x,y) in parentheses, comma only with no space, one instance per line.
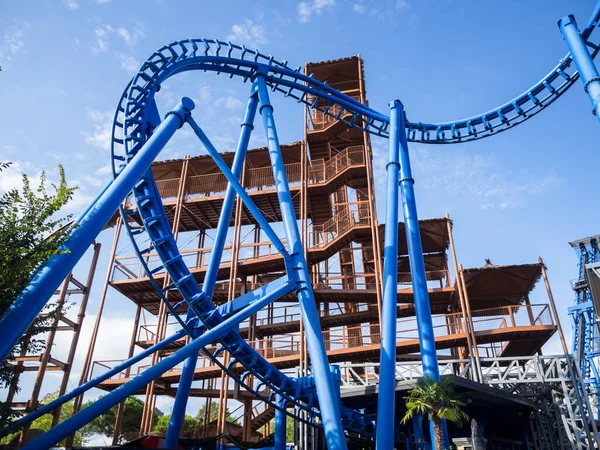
(44,283)
(280,427)
(417,266)
(417,422)
(183,392)
(387,377)
(101,405)
(187,375)
(328,404)
(583,61)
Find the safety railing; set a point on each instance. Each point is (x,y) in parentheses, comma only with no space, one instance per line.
(261,178)
(148,332)
(497,371)
(129,267)
(358,336)
(367,373)
(100,367)
(407,329)
(336,280)
(435,279)
(352,215)
(291,313)
(319,120)
(198,186)
(509,317)
(321,170)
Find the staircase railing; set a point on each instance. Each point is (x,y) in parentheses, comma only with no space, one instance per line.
(353,214)
(322,171)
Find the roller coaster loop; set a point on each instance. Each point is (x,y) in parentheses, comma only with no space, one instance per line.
(139,135)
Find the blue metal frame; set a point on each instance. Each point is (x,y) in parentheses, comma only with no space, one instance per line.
(187,376)
(280,426)
(143,138)
(389,304)
(583,60)
(329,406)
(586,340)
(26,307)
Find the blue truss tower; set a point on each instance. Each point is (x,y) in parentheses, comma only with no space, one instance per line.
(586,312)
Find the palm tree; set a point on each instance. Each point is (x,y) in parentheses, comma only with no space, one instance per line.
(438,401)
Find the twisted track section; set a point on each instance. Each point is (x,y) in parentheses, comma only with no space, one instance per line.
(137,109)
(157,230)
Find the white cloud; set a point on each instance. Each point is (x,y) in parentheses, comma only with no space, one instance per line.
(113,332)
(248,34)
(228,102)
(101,135)
(129,36)
(128,63)
(359,8)
(306,9)
(414,22)
(12,178)
(102,33)
(13,41)
(401,4)
(477,178)
(205,94)
(72,4)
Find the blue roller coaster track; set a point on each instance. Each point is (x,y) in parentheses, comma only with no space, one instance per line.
(138,136)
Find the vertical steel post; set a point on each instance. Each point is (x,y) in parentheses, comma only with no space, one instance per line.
(187,374)
(21,314)
(280,426)
(387,377)
(183,392)
(417,265)
(417,423)
(583,61)
(328,404)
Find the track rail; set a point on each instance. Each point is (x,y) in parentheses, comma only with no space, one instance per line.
(136,115)
(157,230)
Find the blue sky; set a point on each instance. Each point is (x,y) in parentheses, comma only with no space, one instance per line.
(513,197)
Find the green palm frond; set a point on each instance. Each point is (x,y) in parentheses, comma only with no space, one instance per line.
(434,399)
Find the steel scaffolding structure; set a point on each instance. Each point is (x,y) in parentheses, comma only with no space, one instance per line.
(337,218)
(584,316)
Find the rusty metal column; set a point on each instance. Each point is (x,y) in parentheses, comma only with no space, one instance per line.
(85,371)
(77,331)
(553,306)
(371,191)
(33,402)
(121,407)
(461,297)
(235,252)
(470,319)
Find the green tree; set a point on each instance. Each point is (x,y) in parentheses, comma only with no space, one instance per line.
(289,428)
(130,426)
(43,423)
(438,401)
(162,425)
(214,414)
(31,231)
